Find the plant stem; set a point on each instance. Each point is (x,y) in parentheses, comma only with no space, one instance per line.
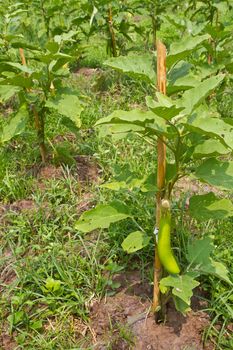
(39,124)
(161,162)
(112,33)
(39,121)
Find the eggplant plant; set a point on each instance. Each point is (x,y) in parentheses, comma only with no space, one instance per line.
(199,143)
(34,76)
(114,20)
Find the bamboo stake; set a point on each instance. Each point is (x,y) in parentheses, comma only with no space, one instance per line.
(161,162)
(39,125)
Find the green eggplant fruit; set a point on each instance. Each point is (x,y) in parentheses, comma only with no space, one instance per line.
(165,253)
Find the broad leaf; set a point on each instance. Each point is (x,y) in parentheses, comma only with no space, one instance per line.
(139,67)
(210,148)
(102,216)
(68,105)
(7,91)
(181,49)
(212,127)
(181,306)
(208,206)
(18,80)
(182,84)
(178,72)
(182,286)
(164,108)
(135,116)
(216,173)
(217,269)
(153,124)
(20,67)
(15,126)
(192,98)
(135,241)
(199,252)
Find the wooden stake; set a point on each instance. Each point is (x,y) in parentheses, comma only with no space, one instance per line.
(161,162)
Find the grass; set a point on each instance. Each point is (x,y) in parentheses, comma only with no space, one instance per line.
(52,274)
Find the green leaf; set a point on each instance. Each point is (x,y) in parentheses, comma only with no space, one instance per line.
(181,49)
(18,80)
(20,67)
(7,91)
(135,241)
(208,206)
(102,216)
(15,126)
(154,123)
(216,173)
(36,325)
(164,108)
(119,130)
(52,285)
(133,116)
(198,255)
(212,127)
(192,98)
(182,286)
(182,84)
(181,306)
(67,104)
(139,67)
(199,251)
(210,148)
(179,71)
(217,269)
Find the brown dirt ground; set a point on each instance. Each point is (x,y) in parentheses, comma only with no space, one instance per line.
(130,308)
(7,342)
(86,171)
(87,72)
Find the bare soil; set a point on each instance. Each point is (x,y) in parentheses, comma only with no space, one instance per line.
(87,169)
(189,186)
(7,342)
(130,308)
(87,72)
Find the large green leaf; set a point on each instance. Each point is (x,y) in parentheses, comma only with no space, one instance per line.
(216,173)
(139,67)
(18,80)
(181,306)
(67,104)
(102,216)
(135,116)
(135,241)
(192,98)
(212,127)
(210,148)
(182,286)
(217,269)
(179,71)
(20,67)
(7,91)
(153,124)
(182,84)
(208,206)
(199,252)
(164,108)
(181,49)
(15,126)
